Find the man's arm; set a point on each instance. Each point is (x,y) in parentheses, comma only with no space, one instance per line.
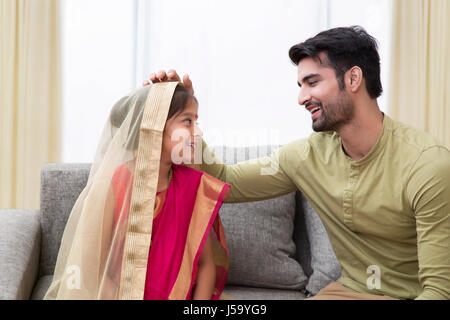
(429,192)
(252,180)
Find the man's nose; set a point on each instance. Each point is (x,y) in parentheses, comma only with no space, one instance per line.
(303,96)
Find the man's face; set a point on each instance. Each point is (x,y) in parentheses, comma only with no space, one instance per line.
(330,106)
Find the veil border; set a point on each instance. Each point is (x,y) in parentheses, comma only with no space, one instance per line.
(140,219)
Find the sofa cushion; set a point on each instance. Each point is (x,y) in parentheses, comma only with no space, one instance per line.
(41,287)
(260,234)
(260,242)
(324,267)
(61,184)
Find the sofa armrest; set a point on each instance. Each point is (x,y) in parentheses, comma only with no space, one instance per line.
(20,243)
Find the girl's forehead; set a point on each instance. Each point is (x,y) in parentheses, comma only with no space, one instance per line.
(192,107)
(188,113)
(190,110)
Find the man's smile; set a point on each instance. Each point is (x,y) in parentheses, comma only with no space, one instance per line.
(315,108)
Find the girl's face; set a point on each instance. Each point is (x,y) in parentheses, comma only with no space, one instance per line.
(182,136)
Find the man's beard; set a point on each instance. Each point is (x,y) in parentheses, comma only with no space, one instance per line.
(334,114)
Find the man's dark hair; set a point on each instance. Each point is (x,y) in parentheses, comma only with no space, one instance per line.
(345,48)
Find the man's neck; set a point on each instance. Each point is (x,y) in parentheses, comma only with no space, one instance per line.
(362,133)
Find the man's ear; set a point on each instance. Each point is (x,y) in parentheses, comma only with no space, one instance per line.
(354,79)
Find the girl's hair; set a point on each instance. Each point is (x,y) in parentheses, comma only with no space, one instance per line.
(179,101)
(120,111)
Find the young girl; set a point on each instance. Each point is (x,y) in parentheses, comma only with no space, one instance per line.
(146,226)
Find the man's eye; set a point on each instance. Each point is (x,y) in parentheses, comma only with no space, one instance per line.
(311,83)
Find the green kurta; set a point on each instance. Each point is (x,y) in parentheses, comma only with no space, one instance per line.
(389,210)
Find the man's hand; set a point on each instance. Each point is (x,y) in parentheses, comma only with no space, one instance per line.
(171,75)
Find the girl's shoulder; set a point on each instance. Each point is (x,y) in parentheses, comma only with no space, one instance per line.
(122,173)
(191,171)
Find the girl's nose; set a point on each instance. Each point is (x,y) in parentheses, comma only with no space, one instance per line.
(197,131)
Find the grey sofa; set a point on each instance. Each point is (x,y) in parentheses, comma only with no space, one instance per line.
(278,248)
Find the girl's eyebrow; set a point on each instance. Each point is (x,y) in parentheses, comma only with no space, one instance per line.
(189,114)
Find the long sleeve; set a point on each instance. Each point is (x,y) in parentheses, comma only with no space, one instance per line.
(251,180)
(429,192)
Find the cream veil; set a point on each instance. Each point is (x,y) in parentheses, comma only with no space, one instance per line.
(97,260)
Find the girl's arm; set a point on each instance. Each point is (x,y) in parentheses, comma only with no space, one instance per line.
(206,277)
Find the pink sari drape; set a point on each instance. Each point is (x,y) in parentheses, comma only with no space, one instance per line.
(185,214)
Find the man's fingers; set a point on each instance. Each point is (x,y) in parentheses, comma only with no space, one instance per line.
(153,78)
(162,76)
(188,83)
(172,75)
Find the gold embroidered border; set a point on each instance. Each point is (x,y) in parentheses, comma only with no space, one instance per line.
(208,193)
(140,220)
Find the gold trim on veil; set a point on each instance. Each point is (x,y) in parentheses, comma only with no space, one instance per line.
(104,249)
(140,220)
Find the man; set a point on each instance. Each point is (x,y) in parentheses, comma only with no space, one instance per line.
(381,188)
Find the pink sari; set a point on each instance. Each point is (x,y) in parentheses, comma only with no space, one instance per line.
(185,215)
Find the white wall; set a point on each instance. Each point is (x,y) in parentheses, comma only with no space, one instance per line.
(236,52)
(375,17)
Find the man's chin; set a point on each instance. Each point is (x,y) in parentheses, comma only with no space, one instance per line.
(323,125)
(318,127)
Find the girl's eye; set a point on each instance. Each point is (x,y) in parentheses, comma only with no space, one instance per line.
(188,121)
